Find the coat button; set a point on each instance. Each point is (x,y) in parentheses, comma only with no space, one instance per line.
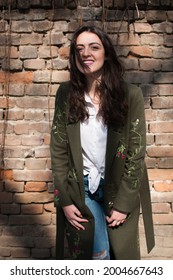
(110,204)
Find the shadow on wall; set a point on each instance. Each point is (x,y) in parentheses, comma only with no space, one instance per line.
(27,220)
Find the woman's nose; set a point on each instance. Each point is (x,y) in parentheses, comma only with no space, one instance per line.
(86,52)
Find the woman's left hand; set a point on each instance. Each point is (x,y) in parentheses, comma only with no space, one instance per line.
(116,218)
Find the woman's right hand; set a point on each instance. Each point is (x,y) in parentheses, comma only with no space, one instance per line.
(74,216)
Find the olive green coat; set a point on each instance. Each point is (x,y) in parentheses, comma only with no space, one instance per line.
(126,181)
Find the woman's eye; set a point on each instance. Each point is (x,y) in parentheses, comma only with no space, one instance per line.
(80,49)
(94,48)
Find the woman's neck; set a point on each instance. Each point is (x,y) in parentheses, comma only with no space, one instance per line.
(93,93)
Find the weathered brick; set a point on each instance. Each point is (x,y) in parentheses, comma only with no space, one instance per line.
(5,251)
(32,175)
(158,127)
(161,208)
(34,64)
(16,241)
(44,242)
(21,26)
(34,114)
(6,198)
(164,115)
(166,89)
(13,186)
(6,174)
(163,27)
(44,219)
(31,39)
(40,253)
(20,253)
(140,27)
(164,139)
(160,151)
(34,102)
(162,102)
(10,209)
(163,187)
(13,65)
(150,64)
(165,163)
(42,26)
(164,219)
(43,152)
(50,207)
(3,220)
(32,140)
(28,52)
(57,64)
(35,186)
(13,140)
(35,164)
(48,51)
(23,77)
(152,39)
(32,209)
(138,77)
(141,51)
(130,64)
(14,163)
(156,16)
(161,175)
(15,114)
(36,89)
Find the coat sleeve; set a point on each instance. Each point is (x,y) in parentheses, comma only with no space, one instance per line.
(59,150)
(128,193)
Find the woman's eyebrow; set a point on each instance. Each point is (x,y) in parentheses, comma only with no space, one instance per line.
(93,43)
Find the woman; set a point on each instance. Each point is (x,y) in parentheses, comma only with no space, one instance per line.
(98,143)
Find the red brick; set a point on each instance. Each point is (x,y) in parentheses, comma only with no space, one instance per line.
(20,253)
(33,197)
(3,220)
(6,174)
(161,208)
(6,197)
(32,140)
(64,52)
(141,51)
(158,151)
(32,209)
(23,77)
(10,209)
(5,251)
(44,219)
(50,207)
(13,140)
(164,219)
(16,241)
(35,186)
(160,174)
(163,186)
(164,139)
(40,253)
(48,51)
(161,127)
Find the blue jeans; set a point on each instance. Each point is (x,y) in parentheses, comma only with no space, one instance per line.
(95,204)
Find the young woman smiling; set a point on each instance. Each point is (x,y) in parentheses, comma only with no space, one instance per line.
(98,143)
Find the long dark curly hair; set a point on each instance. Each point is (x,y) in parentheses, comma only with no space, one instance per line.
(113,105)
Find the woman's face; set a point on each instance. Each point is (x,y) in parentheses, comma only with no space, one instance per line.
(92,53)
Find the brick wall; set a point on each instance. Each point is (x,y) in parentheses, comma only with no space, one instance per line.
(34,45)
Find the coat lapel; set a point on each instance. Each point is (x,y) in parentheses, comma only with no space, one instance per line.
(73,131)
(113,139)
